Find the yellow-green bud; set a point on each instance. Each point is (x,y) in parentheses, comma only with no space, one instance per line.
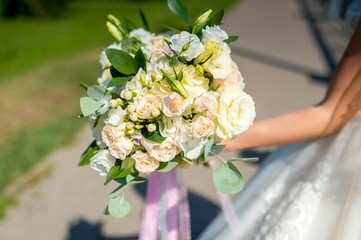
(154,77)
(130,125)
(151,127)
(139,126)
(133,117)
(131,131)
(114,31)
(131,108)
(128,95)
(199,70)
(113,103)
(208,50)
(142,80)
(155,112)
(203,18)
(113,19)
(186,47)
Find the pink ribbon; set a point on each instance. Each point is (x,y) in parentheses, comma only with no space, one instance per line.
(171,200)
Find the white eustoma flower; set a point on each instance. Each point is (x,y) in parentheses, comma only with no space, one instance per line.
(102,162)
(214,33)
(103,57)
(234,78)
(116,116)
(145,36)
(220,63)
(97,130)
(236,112)
(189,41)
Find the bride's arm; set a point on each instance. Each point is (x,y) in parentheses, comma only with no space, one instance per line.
(342,101)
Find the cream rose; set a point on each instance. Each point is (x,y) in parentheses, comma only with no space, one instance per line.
(174,105)
(147,104)
(163,152)
(110,133)
(237,112)
(158,44)
(207,105)
(202,127)
(144,163)
(121,148)
(102,162)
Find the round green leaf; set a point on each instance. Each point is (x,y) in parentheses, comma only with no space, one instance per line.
(119,207)
(122,61)
(228,179)
(89,105)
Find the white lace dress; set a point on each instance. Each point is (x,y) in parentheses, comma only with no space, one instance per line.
(306,191)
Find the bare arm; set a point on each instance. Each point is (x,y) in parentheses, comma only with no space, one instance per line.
(342,101)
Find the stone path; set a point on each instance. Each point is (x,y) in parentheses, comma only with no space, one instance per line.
(281,53)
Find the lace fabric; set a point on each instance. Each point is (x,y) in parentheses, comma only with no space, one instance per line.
(310,190)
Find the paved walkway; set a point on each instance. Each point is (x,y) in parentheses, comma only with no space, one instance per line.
(285,56)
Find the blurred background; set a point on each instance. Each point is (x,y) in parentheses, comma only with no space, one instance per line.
(287,49)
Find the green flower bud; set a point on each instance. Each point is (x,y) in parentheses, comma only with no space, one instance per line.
(186,47)
(203,18)
(113,19)
(208,50)
(199,70)
(139,126)
(142,80)
(154,77)
(114,31)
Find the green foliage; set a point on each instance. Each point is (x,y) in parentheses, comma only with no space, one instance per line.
(231,39)
(88,154)
(168,166)
(119,80)
(141,60)
(178,9)
(118,207)
(228,179)
(122,61)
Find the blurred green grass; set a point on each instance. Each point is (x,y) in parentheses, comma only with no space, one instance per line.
(41,63)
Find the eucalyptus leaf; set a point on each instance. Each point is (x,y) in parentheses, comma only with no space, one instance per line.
(144,20)
(96,92)
(88,154)
(178,9)
(121,61)
(119,207)
(141,60)
(207,147)
(216,149)
(231,39)
(89,105)
(118,81)
(216,19)
(123,183)
(255,159)
(228,179)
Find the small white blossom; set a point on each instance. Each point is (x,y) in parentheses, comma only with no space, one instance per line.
(189,41)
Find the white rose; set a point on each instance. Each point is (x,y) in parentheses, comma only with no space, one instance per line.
(144,163)
(174,105)
(161,89)
(103,57)
(115,116)
(102,162)
(194,85)
(110,133)
(121,148)
(195,47)
(202,127)
(237,112)
(147,104)
(214,33)
(163,152)
(220,63)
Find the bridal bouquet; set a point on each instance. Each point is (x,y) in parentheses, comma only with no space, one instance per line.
(164,101)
